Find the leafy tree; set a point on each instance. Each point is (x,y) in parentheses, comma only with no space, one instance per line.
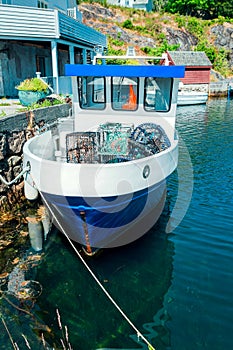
(159,5)
(201,8)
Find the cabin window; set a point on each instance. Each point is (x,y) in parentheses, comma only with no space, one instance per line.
(92,92)
(124,93)
(157,94)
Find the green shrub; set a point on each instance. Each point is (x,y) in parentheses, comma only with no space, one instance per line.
(127,24)
(158,51)
(117,42)
(33,84)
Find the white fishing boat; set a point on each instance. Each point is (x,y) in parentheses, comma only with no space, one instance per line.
(192,98)
(102,171)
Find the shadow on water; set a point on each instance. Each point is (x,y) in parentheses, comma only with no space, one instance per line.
(137,276)
(19,288)
(35,286)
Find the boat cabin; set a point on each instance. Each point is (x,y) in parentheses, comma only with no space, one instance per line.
(119,111)
(123,94)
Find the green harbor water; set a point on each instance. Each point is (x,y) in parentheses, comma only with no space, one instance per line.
(176,287)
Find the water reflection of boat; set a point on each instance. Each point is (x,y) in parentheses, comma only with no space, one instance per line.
(102,172)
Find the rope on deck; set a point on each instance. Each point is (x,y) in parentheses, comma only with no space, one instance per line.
(139,334)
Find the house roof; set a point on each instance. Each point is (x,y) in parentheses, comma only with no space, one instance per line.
(189,58)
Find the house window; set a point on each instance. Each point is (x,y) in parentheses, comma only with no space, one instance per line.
(42,4)
(6,2)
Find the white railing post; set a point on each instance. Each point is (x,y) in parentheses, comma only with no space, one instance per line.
(55,64)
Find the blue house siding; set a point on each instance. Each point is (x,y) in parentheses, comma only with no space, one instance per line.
(31,3)
(79,31)
(34,39)
(58,4)
(62,5)
(20,64)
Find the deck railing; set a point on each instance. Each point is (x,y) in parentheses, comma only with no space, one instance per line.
(27,22)
(30,22)
(64,83)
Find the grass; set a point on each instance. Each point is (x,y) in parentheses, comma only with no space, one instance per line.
(4,104)
(2,114)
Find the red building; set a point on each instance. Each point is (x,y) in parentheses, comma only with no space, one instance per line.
(197,69)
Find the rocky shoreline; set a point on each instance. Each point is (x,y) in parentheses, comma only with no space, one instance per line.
(14,131)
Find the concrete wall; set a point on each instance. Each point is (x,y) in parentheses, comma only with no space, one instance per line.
(219,89)
(13,135)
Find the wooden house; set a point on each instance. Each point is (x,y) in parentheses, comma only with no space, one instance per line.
(145,5)
(42,36)
(197,69)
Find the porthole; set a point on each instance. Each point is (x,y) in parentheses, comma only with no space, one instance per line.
(146,171)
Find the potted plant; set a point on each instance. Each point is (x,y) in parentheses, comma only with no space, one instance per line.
(32,90)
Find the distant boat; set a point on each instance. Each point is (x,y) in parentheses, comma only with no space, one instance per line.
(192,98)
(102,171)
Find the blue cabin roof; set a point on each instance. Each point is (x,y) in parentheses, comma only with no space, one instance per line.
(124,71)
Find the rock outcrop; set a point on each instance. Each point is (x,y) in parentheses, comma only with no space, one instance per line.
(223,38)
(109,20)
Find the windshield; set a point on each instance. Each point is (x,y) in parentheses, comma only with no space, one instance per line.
(92,92)
(124,93)
(157,94)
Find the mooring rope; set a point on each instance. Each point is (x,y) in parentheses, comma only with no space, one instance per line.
(139,334)
(27,168)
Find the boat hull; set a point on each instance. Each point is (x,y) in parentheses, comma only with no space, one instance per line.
(100,205)
(109,221)
(191,98)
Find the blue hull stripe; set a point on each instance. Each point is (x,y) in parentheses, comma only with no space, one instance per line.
(74,200)
(95,215)
(103,225)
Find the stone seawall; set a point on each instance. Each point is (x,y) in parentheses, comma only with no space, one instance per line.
(14,131)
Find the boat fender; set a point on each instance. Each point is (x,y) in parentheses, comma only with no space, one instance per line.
(146,171)
(31,193)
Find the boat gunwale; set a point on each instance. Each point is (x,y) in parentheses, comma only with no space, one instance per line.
(26,149)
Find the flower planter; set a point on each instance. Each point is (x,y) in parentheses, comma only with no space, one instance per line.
(27,98)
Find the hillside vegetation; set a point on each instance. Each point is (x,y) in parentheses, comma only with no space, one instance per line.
(155,32)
